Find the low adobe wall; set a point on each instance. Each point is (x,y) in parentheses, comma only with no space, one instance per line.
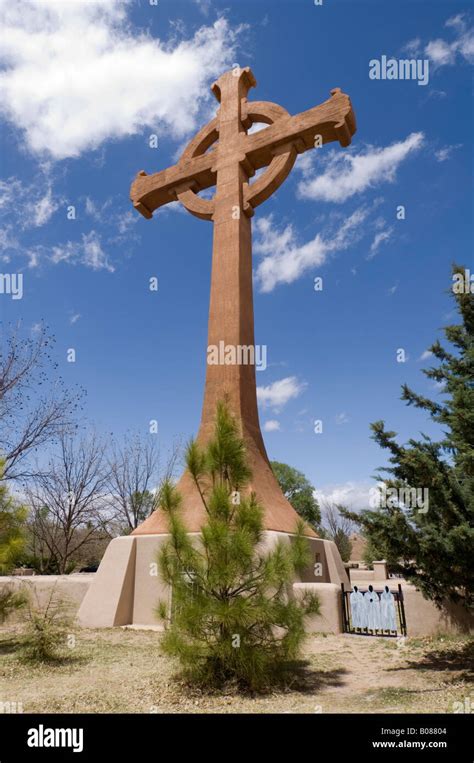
(329,619)
(70,588)
(423,617)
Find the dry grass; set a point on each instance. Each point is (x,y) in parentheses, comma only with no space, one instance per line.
(117,670)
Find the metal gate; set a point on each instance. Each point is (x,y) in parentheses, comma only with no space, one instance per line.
(380,615)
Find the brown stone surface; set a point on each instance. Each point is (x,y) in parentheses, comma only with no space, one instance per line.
(229,166)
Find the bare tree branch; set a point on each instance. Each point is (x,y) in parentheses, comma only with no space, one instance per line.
(68,499)
(135,478)
(34,408)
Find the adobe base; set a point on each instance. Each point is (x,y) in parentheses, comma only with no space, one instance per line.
(127,588)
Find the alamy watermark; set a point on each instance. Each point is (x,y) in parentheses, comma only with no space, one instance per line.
(463,283)
(400,69)
(12,284)
(11,707)
(53,737)
(403,497)
(223,354)
(466,706)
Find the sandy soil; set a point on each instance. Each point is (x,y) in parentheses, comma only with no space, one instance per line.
(121,670)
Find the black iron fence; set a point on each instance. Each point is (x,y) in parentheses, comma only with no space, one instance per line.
(372,612)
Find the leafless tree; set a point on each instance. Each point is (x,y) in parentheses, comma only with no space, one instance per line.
(34,408)
(135,476)
(68,499)
(333,520)
(338,527)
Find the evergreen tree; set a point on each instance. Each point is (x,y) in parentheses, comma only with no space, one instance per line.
(233,617)
(434,546)
(12,541)
(12,527)
(298,490)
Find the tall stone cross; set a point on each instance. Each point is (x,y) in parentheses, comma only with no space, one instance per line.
(224,155)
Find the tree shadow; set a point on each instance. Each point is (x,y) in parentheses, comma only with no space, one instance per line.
(61,660)
(9,645)
(13,645)
(304,679)
(460,660)
(292,677)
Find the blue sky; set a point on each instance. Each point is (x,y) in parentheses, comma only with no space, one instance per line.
(84,85)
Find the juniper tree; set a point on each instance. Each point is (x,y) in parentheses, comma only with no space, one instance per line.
(233,617)
(434,547)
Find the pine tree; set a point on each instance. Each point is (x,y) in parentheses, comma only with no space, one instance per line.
(434,547)
(233,618)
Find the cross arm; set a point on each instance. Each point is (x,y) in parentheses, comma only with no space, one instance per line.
(149,192)
(332,120)
(277,146)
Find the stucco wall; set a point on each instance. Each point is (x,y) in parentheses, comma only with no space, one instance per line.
(423,617)
(330,618)
(70,588)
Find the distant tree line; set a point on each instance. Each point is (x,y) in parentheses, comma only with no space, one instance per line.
(64,491)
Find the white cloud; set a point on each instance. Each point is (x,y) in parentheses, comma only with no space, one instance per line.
(86,252)
(447,52)
(413,47)
(347,174)
(342,418)
(24,206)
(38,204)
(126,221)
(440,52)
(272,425)
(442,154)
(93,255)
(279,393)
(44,209)
(7,241)
(285,260)
(74,318)
(457,22)
(28,206)
(112,214)
(92,210)
(76,74)
(380,238)
(355,495)
(204,6)
(33,256)
(425,355)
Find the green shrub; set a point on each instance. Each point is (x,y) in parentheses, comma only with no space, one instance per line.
(46,628)
(10,601)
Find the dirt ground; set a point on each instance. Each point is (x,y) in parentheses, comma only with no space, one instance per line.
(121,670)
